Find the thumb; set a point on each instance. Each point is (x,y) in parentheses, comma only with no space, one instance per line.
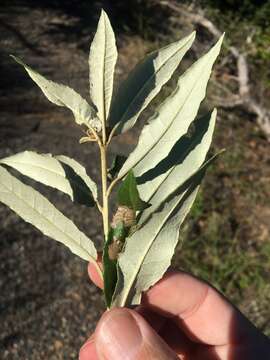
(124,334)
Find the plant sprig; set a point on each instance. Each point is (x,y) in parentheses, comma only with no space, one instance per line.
(157,182)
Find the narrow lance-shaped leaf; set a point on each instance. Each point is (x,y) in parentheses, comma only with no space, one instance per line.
(102,60)
(109,269)
(37,210)
(173,118)
(128,194)
(144,83)
(148,252)
(77,175)
(116,165)
(61,95)
(60,172)
(184,160)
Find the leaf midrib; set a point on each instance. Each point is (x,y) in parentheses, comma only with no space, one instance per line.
(54,173)
(103,71)
(145,84)
(76,111)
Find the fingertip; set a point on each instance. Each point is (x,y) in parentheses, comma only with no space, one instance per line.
(117,333)
(94,274)
(124,331)
(88,351)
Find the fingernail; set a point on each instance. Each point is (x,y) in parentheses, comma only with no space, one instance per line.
(118,336)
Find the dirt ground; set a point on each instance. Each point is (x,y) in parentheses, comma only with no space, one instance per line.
(47,305)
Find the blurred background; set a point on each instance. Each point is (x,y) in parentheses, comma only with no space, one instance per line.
(47,305)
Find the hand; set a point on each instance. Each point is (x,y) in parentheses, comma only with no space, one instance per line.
(181,317)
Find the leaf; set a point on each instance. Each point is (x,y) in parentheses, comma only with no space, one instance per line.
(112,248)
(77,175)
(102,60)
(173,117)
(117,163)
(60,172)
(148,252)
(185,158)
(144,83)
(128,194)
(37,210)
(61,95)
(109,270)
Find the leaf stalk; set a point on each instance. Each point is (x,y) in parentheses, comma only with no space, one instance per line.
(113,183)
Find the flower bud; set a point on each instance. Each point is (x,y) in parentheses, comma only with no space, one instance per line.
(125,215)
(114,249)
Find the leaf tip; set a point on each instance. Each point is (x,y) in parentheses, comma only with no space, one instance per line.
(222,151)
(189,38)
(18,60)
(220,40)
(104,15)
(15,58)
(193,34)
(217,46)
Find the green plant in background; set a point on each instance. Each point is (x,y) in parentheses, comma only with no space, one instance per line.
(157,183)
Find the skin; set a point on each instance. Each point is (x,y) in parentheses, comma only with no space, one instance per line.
(181,317)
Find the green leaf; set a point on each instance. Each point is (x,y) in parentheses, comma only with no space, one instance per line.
(173,117)
(34,208)
(185,159)
(109,265)
(109,270)
(117,163)
(144,83)
(61,95)
(60,172)
(128,194)
(102,60)
(148,252)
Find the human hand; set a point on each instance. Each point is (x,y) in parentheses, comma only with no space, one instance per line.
(180,317)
